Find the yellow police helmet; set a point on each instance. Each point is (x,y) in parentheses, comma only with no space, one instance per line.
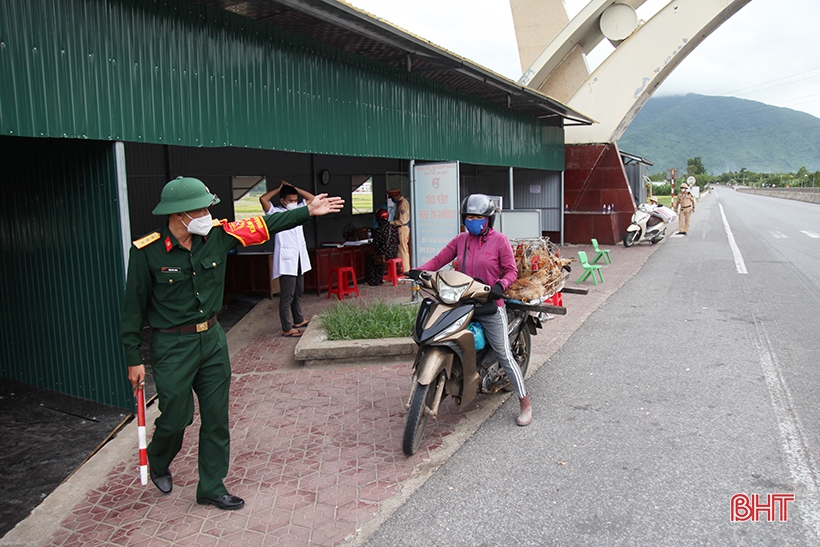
(184,194)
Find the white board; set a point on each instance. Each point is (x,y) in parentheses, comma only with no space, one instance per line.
(435,211)
(519,224)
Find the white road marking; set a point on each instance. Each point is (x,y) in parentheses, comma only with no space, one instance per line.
(810,234)
(793,438)
(778,235)
(739,264)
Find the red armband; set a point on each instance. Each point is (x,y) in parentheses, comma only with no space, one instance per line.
(249,231)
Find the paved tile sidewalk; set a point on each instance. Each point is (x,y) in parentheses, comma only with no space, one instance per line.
(316,452)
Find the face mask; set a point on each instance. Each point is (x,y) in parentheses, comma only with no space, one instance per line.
(199,226)
(475,227)
(291,206)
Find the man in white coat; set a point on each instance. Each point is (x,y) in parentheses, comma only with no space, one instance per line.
(290,257)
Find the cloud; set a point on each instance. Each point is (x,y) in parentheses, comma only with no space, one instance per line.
(480,30)
(766,52)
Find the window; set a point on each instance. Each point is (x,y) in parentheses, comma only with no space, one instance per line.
(246,194)
(362,195)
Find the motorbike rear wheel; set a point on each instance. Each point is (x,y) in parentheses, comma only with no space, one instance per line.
(520,348)
(631,238)
(419,414)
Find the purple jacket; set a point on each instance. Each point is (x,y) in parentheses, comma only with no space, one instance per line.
(489,258)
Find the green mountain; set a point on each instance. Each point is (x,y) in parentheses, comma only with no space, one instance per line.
(729,134)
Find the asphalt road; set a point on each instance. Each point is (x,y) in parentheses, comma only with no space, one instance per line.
(693,383)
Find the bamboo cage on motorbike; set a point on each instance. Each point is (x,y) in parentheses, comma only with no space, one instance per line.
(540,270)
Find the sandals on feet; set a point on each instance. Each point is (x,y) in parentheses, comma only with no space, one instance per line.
(302,325)
(292,333)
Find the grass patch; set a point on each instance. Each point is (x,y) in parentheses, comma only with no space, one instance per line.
(350,321)
(362,203)
(664,200)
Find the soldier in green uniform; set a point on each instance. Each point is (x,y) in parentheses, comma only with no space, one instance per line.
(175,283)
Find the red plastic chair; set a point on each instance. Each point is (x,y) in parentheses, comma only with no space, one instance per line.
(395,268)
(342,284)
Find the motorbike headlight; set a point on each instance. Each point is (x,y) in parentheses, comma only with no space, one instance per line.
(452,328)
(448,294)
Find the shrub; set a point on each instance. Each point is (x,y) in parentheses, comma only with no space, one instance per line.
(350,321)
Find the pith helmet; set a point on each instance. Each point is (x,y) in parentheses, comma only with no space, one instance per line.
(184,194)
(684,186)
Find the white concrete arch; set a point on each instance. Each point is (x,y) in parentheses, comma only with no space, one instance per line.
(616,91)
(582,32)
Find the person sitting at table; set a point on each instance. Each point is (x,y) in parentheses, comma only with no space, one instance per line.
(385,246)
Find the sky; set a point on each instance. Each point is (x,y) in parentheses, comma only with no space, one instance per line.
(766,52)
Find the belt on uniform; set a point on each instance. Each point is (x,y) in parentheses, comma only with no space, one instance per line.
(686,207)
(186,329)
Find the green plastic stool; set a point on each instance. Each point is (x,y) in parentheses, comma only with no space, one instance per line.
(601,253)
(589,269)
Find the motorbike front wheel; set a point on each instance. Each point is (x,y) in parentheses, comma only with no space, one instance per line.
(631,238)
(419,413)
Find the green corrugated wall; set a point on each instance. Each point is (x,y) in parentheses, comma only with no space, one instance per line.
(170,72)
(61,269)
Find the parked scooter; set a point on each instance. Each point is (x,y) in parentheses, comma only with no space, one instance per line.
(648,224)
(447,362)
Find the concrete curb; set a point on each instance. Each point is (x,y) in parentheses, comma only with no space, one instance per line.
(795,194)
(314,348)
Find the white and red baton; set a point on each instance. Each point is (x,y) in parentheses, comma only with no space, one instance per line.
(143,447)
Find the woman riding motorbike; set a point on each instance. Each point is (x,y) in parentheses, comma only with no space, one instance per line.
(487,255)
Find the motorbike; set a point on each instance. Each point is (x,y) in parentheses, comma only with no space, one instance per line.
(648,224)
(447,361)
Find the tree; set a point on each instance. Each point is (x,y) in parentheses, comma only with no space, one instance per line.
(694,166)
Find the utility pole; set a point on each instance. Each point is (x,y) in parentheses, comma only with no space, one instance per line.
(670,174)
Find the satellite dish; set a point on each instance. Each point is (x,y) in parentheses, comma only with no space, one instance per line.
(617,22)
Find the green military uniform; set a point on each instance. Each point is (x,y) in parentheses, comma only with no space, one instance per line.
(176,289)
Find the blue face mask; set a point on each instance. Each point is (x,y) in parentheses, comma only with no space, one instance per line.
(475,227)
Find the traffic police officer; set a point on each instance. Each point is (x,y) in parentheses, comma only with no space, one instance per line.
(685,204)
(175,283)
(401,220)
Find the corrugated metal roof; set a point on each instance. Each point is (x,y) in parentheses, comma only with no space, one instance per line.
(343,26)
(179,73)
